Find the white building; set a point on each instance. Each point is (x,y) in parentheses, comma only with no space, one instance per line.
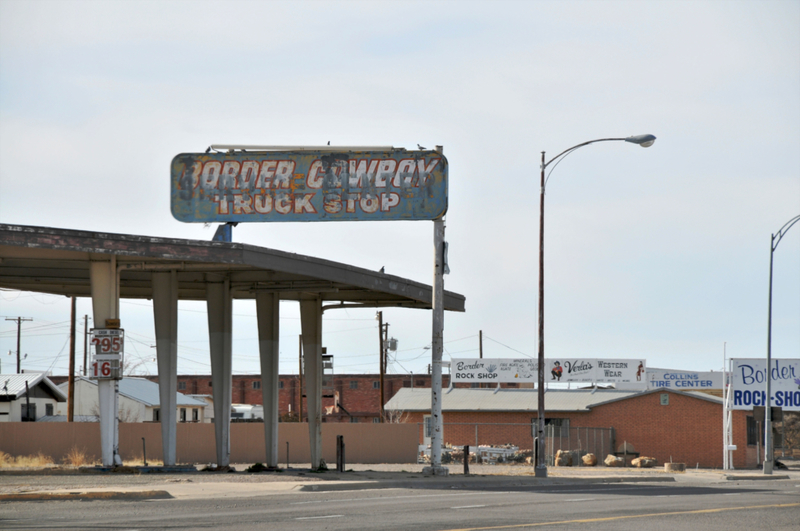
(19,403)
(138,401)
(208,411)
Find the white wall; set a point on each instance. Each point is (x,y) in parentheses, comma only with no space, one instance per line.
(14,408)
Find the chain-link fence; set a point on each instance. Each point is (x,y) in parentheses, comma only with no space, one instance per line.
(578,441)
(514,442)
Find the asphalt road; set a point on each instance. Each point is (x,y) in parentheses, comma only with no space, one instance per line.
(750,505)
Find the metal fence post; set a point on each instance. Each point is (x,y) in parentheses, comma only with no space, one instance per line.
(340,453)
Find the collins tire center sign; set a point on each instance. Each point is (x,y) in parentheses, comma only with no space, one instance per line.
(309,186)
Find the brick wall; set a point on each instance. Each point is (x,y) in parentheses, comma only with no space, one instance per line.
(687,430)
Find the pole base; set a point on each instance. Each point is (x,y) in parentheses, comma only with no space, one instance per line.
(541,471)
(436,471)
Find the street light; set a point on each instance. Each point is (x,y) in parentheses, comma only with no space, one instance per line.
(768,457)
(642,140)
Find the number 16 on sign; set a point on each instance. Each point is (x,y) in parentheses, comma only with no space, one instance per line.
(108,354)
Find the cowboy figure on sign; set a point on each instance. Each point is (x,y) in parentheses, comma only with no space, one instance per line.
(556,372)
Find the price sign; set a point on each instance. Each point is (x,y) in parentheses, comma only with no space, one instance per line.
(109,346)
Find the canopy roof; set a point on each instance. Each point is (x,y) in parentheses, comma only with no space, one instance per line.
(52,260)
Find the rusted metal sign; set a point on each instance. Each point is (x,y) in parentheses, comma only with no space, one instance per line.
(309,186)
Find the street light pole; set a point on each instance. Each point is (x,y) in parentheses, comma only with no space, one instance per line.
(642,140)
(769,459)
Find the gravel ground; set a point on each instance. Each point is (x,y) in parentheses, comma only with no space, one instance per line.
(16,480)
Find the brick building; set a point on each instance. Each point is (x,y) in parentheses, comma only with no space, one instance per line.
(357,395)
(683,427)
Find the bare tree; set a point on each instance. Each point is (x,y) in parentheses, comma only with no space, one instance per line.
(395,416)
(125,414)
(791,427)
(132,368)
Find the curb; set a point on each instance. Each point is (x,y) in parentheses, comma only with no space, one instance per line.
(754,477)
(87,496)
(479,483)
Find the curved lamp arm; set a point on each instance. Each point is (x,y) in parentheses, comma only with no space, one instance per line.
(642,140)
(776,238)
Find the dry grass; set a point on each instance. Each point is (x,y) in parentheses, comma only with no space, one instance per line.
(139,462)
(5,459)
(76,457)
(25,461)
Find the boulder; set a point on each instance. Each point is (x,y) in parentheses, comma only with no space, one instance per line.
(563,458)
(614,461)
(644,462)
(589,460)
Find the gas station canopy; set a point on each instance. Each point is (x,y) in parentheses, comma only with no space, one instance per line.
(52,260)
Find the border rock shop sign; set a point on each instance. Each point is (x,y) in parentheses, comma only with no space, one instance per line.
(309,186)
(749,383)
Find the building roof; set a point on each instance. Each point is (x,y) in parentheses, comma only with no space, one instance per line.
(12,386)
(694,394)
(53,260)
(63,418)
(508,400)
(519,400)
(144,391)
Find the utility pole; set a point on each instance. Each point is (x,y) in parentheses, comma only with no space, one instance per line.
(300,397)
(19,329)
(480,349)
(71,380)
(382,363)
(85,340)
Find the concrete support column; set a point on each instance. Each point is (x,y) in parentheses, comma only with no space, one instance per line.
(311,325)
(105,305)
(165,313)
(220,307)
(268,311)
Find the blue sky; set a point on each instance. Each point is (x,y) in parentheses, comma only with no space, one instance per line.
(661,253)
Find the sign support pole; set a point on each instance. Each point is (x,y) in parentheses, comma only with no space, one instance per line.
(437,346)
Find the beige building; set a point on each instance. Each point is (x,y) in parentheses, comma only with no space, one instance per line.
(139,401)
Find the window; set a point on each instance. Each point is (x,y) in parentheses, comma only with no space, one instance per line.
(353,384)
(183,414)
(406,383)
(280,384)
(181,386)
(156,415)
(257,384)
(353,419)
(48,409)
(428,426)
(512,385)
(475,385)
(376,385)
(28,414)
(209,384)
(753,431)
(560,426)
(195,414)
